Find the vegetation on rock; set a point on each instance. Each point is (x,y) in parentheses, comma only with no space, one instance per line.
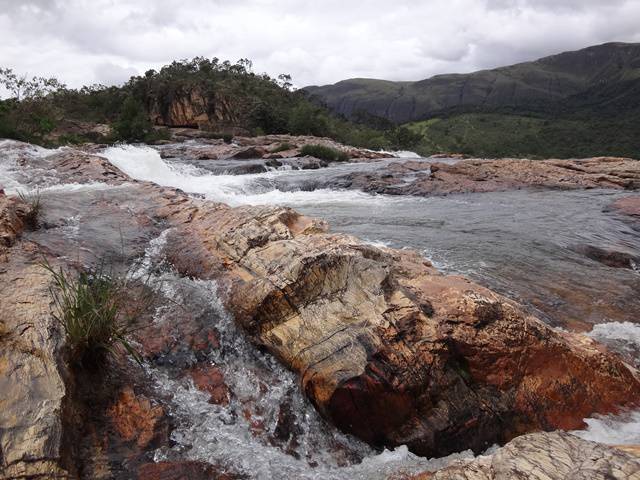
(97,312)
(324,153)
(33,202)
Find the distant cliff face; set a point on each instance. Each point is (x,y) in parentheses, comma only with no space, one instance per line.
(526,85)
(192,108)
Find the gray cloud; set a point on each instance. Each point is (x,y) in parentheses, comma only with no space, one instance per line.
(104,41)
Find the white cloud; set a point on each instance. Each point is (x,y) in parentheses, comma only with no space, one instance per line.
(83,42)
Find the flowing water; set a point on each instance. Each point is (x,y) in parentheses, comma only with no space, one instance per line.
(526,244)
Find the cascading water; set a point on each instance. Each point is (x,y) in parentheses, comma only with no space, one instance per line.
(227,435)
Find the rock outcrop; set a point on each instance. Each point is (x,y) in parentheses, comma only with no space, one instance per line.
(268,147)
(544,456)
(473,176)
(193,109)
(385,346)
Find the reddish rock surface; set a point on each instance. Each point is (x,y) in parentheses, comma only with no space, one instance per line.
(210,379)
(185,470)
(259,147)
(628,206)
(135,418)
(385,346)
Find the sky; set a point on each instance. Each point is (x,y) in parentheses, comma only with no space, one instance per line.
(82,42)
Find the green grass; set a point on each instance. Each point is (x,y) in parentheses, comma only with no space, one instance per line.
(33,202)
(97,312)
(324,153)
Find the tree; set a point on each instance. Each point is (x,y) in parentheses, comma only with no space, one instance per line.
(132,125)
(22,88)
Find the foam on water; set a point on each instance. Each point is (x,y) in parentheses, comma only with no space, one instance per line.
(623,429)
(623,337)
(145,163)
(16,177)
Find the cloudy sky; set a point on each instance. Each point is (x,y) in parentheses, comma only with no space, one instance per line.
(317,42)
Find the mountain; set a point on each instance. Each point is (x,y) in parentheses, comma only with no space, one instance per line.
(536,86)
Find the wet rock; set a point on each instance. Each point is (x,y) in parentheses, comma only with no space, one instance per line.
(386,347)
(544,456)
(136,419)
(306,163)
(611,258)
(247,152)
(12,214)
(210,379)
(183,470)
(628,206)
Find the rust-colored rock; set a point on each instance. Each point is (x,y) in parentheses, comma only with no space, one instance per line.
(135,418)
(210,379)
(183,470)
(389,349)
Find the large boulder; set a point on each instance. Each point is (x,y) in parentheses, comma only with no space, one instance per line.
(386,347)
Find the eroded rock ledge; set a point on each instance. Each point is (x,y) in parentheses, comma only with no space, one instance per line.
(469,176)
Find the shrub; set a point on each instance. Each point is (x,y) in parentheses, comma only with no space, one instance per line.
(97,312)
(324,153)
(283,147)
(133,124)
(32,200)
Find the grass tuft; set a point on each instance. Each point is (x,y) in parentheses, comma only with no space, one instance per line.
(324,153)
(97,312)
(283,147)
(33,201)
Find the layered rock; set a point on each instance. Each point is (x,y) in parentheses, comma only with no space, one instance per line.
(543,456)
(31,379)
(190,107)
(472,176)
(385,346)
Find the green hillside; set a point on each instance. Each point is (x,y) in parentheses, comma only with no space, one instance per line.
(582,103)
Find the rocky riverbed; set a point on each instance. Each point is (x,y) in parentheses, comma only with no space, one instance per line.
(380,349)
